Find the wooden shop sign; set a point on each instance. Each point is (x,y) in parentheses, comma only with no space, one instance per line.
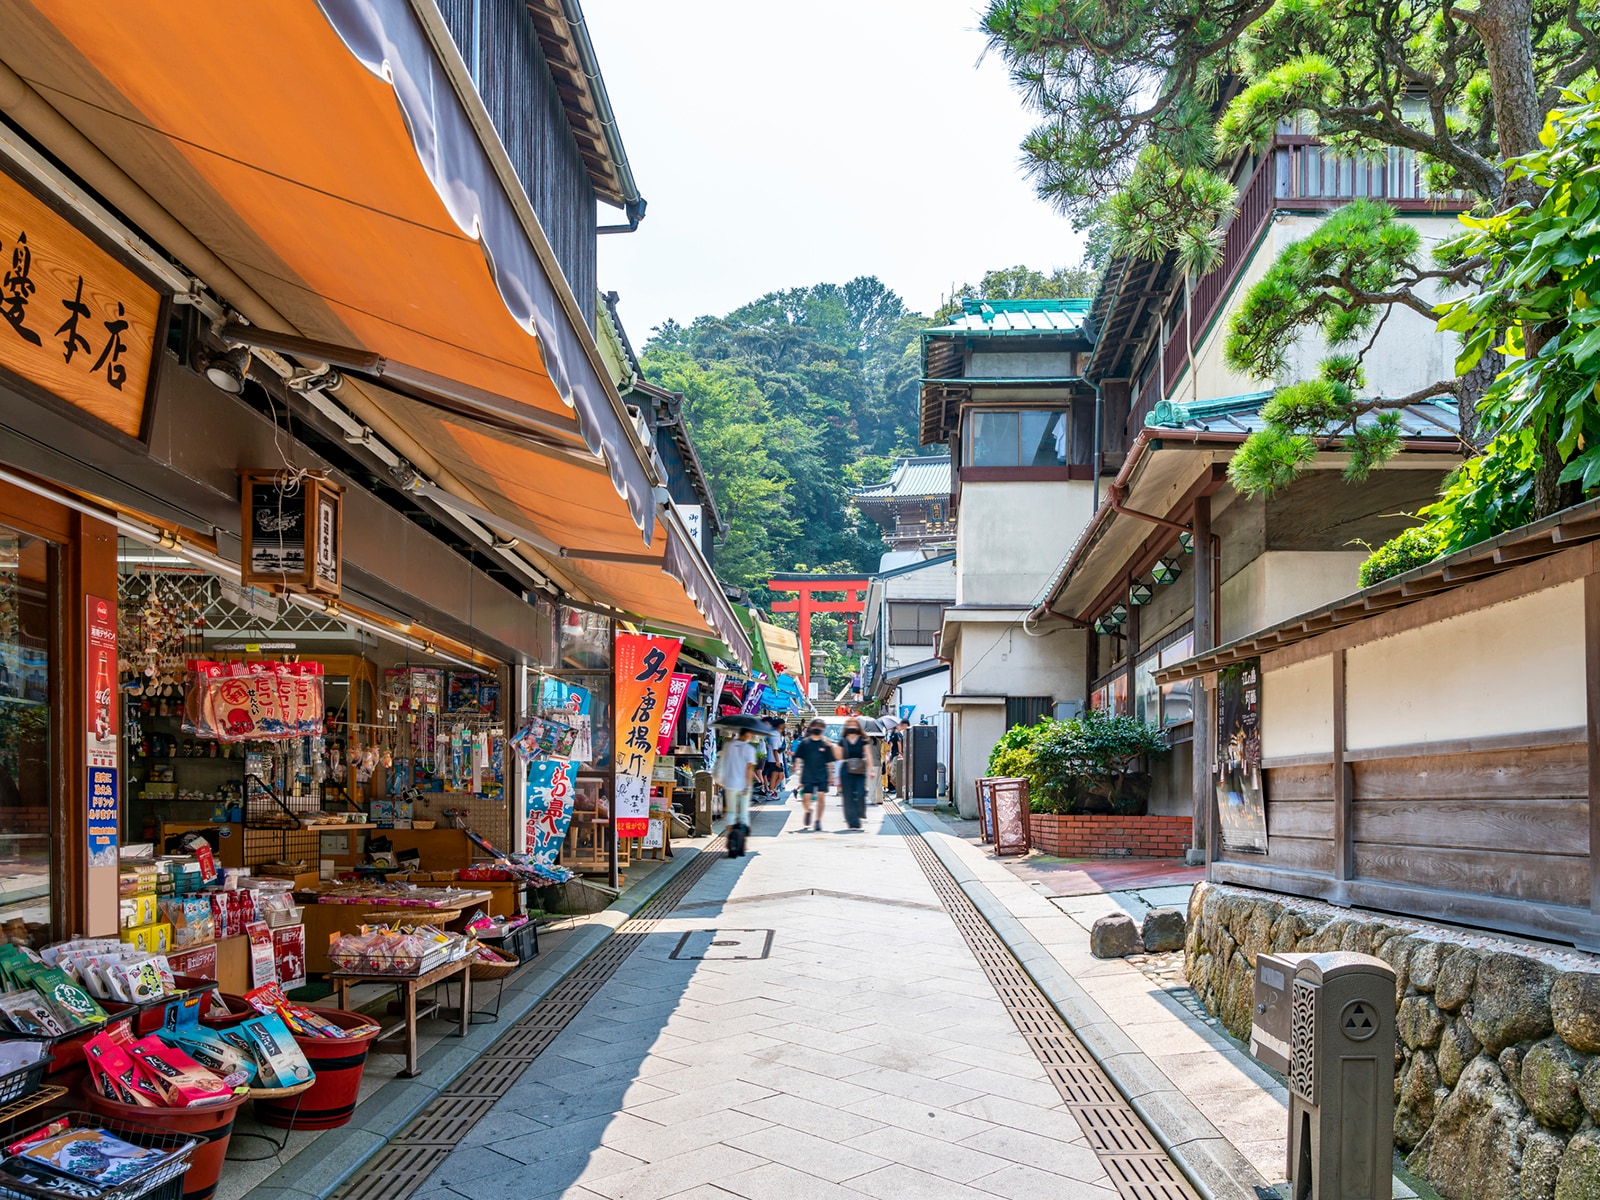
(75,321)
(293,532)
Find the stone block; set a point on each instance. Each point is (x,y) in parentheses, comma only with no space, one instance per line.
(1575,1008)
(1419,1022)
(1589,1088)
(1414,1107)
(1511,1000)
(1541,1162)
(1456,978)
(1549,1083)
(1164,929)
(1114,936)
(1426,960)
(1457,1047)
(1579,1176)
(1471,1149)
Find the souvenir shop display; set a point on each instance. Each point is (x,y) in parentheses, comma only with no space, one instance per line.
(81,1155)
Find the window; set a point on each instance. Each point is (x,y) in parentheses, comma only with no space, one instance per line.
(27,567)
(913,623)
(1026,710)
(1009,437)
(1177,699)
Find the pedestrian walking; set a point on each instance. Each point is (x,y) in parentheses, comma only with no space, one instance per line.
(735,774)
(857,758)
(899,744)
(815,754)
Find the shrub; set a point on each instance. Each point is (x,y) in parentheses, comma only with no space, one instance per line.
(1065,762)
(1410,548)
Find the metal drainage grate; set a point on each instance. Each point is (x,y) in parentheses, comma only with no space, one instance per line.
(1133,1159)
(402,1166)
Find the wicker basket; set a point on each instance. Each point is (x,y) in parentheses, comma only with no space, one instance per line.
(489,970)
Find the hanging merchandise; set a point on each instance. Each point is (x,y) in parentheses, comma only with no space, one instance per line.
(259,701)
(569,704)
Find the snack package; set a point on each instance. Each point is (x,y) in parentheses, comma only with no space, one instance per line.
(29,1013)
(182,1081)
(282,1062)
(78,1006)
(192,920)
(115,1075)
(206,1044)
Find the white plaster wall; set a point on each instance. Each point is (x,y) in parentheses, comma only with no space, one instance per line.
(1409,353)
(974,731)
(998,658)
(1514,668)
(1011,537)
(1297,709)
(1284,583)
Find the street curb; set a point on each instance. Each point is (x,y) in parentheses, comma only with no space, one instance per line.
(1210,1162)
(328,1163)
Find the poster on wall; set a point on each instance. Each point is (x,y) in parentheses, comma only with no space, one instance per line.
(1241,798)
(100,628)
(644,674)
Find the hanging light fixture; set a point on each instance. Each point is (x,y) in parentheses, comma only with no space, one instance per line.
(1186,540)
(1165,571)
(1112,620)
(227,370)
(1141,593)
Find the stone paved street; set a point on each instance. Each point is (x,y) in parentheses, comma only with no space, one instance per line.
(866,1055)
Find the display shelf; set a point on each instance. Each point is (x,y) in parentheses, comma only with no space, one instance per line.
(47,1094)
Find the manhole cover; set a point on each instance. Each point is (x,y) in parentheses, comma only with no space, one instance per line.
(724,944)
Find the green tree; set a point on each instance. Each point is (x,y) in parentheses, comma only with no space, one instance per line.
(1541,311)
(1023,283)
(1129,98)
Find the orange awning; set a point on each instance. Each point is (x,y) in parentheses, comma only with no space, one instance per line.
(336,172)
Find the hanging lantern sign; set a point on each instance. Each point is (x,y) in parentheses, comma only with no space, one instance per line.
(1186,540)
(1141,593)
(293,533)
(1166,571)
(1112,620)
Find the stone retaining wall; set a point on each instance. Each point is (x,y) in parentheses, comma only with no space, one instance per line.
(1497,1067)
(1096,835)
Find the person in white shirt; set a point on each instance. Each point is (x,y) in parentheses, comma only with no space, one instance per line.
(736,770)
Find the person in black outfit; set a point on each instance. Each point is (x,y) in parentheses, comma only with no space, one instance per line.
(815,754)
(857,757)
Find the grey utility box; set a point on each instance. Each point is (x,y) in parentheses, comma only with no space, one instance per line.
(1326,1021)
(702,803)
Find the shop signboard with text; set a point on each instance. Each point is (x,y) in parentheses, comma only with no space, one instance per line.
(644,674)
(74,321)
(100,641)
(677,689)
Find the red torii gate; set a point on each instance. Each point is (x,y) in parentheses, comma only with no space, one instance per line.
(854,588)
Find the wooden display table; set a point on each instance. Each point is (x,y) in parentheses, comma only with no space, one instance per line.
(502,893)
(323,921)
(408,986)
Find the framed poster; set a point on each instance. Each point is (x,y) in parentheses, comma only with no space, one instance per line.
(1241,796)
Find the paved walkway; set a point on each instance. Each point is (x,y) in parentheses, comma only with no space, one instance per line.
(835,1038)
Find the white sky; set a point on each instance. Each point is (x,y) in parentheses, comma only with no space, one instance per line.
(781,145)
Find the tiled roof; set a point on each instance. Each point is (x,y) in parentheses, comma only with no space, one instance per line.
(928,476)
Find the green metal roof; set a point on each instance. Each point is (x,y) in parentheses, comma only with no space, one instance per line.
(1007,317)
(1435,418)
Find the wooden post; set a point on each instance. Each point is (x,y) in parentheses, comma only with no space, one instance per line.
(1204,639)
(1133,650)
(1343,834)
(1091,663)
(611,686)
(1591,655)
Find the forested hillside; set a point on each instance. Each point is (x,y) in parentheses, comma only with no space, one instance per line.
(796,398)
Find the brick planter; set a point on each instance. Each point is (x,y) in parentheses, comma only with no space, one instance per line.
(1096,835)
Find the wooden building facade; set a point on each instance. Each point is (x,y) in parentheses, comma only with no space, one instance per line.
(1429,745)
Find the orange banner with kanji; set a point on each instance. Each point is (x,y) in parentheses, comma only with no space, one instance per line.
(644,671)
